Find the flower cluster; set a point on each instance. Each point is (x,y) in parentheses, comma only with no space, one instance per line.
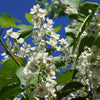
(40,64)
(93,29)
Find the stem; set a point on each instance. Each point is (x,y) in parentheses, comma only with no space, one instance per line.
(1,31)
(9,52)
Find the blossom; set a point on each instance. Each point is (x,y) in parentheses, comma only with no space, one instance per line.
(8,33)
(20,40)
(15,35)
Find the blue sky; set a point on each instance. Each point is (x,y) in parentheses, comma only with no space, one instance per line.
(18,8)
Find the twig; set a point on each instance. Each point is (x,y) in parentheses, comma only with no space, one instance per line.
(9,52)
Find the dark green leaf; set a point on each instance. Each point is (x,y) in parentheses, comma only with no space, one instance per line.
(97,41)
(25,31)
(59,62)
(8,70)
(10,92)
(83,18)
(79,98)
(98,90)
(7,21)
(58,28)
(65,77)
(73,86)
(86,41)
(29,17)
(68,88)
(49,50)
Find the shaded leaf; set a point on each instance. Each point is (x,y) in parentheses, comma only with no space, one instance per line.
(49,50)
(8,70)
(97,41)
(98,90)
(59,62)
(10,92)
(83,18)
(7,21)
(68,88)
(25,31)
(80,98)
(86,41)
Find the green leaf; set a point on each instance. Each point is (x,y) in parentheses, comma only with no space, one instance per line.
(20,74)
(59,62)
(29,17)
(7,21)
(98,90)
(49,50)
(86,41)
(68,88)
(10,92)
(25,31)
(8,70)
(73,3)
(97,41)
(72,85)
(83,18)
(79,98)
(58,28)
(35,80)
(65,77)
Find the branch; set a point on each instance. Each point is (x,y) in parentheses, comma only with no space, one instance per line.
(1,31)
(9,52)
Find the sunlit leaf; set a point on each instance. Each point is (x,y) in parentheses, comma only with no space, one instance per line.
(73,3)
(58,28)
(29,17)
(7,21)
(65,77)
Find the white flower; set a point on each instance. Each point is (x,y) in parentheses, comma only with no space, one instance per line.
(52,42)
(50,21)
(42,13)
(3,54)
(36,7)
(63,41)
(55,36)
(20,40)
(8,33)
(97,20)
(15,35)
(47,26)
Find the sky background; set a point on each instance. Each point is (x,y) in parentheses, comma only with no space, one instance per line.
(18,8)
